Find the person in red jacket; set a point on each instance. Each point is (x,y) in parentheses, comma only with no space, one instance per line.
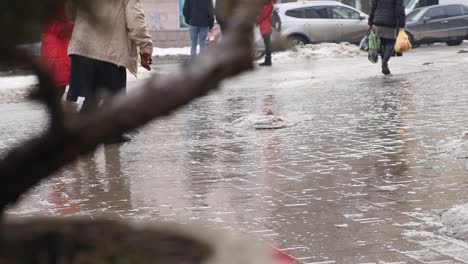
(54,49)
(264,22)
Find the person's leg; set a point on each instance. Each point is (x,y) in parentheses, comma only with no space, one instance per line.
(113,78)
(387,52)
(202,37)
(193,40)
(267,41)
(61,91)
(90,104)
(83,82)
(388,49)
(222,26)
(382,48)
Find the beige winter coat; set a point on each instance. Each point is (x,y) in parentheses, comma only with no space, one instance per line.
(112,33)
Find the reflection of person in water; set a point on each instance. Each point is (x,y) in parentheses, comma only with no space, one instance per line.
(105,191)
(201,127)
(267,105)
(64,196)
(271,148)
(390,165)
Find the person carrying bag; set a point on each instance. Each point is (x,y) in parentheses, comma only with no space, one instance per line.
(386,16)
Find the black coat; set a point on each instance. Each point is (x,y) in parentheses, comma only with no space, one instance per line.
(387,13)
(199,13)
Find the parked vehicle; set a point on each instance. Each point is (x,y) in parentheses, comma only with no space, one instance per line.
(410,5)
(440,23)
(321,21)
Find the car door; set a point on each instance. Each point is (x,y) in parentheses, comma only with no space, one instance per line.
(457,22)
(434,25)
(353,25)
(292,22)
(319,25)
(465,17)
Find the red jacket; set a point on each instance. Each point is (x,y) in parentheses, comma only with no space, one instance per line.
(264,19)
(54,48)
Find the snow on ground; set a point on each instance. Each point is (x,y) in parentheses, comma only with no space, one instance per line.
(162,52)
(15,89)
(15,82)
(452,222)
(319,51)
(455,221)
(456,148)
(259,122)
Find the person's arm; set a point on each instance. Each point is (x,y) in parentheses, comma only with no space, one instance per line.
(401,15)
(136,26)
(138,31)
(265,13)
(186,10)
(372,11)
(211,14)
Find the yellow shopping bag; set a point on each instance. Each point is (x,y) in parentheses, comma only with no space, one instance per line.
(403,43)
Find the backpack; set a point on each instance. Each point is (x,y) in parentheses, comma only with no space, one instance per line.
(276,21)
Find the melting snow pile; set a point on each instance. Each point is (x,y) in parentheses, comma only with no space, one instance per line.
(455,222)
(457,148)
(262,122)
(318,51)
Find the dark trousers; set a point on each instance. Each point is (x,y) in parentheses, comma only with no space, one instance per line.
(222,26)
(387,48)
(267,41)
(93,79)
(89,78)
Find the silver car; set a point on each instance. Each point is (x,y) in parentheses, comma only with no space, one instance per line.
(441,23)
(324,21)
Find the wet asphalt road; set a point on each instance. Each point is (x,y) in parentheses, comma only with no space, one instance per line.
(356,177)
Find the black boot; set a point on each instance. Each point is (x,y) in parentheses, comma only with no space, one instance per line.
(385,69)
(266,63)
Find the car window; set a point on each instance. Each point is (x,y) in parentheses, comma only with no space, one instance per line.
(453,11)
(339,12)
(435,13)
(465,10)
(316,12)
(413,15)
(298,13)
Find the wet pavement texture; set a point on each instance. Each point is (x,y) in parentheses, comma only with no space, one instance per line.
(354,178)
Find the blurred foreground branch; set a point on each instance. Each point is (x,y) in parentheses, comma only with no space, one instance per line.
(28,164)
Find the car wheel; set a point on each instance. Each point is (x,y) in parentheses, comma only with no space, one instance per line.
(456,42)
(298,40)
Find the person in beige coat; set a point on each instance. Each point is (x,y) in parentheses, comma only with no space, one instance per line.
(103,45)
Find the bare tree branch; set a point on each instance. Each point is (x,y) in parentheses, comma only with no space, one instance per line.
(40,157)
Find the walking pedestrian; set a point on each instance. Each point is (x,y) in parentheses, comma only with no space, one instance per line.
(386,18)
(103,45)
(264,22)
(54,45)
(199,15)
